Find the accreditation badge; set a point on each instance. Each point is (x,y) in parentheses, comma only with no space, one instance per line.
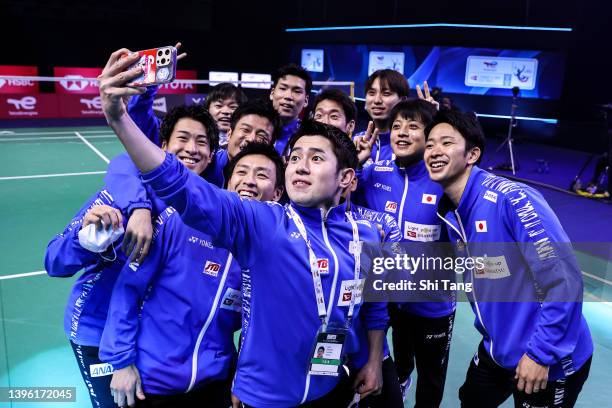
(328,352)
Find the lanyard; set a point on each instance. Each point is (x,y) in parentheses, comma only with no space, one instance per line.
(355,249)
(314,267)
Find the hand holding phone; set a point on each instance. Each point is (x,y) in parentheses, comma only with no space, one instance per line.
(158,66)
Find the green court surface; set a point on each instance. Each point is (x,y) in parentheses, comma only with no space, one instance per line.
(45,177)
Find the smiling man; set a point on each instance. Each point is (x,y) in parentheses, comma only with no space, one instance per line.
(383,90)
(221,102)
(291,85)
(253,121)
(282,321)
(402,188)
(335,108)
(190,134)
(527,300)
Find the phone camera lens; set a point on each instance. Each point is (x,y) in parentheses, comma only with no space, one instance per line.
(167,52)
(159,53)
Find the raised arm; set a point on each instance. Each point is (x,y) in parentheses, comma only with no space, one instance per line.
(145,154)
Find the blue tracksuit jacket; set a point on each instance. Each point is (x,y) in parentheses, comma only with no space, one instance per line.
(280,318)
(409,195)
(174,316)
(85,312)
(536,263)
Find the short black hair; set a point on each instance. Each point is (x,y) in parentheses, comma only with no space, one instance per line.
(195,112)
(261,108)
(415,109)
(342,145)
(225,90)
(466,123)
(391,79)
(295,70)
(265,150)
(340,97)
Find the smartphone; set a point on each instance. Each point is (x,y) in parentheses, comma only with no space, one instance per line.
(159,66)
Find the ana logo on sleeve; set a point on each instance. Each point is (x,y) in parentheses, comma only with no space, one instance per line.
(428,199)
(491,196)
(481,226)
(212,269)
(391,206)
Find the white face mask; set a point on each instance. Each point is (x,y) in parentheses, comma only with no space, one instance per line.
(98,240)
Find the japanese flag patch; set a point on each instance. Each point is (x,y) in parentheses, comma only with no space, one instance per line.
(428,199)
(481,226)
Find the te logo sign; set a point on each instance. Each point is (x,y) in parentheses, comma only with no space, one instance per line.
(212,268)
(27,103)
(94,103)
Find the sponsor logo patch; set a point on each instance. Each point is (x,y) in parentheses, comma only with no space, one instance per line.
(346,292)
(391,206)
(323,264)
(212,269)
(383,168)
(428,199)
(421,232)
(382,186)
(100,370)
(495,267)
(491,196)
(232,300)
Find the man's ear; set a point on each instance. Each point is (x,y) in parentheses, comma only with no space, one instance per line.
(272,93)
(474,155)
(278,193)
(346,177)
(229,134)
(350,127)
(306,100)
(164,145)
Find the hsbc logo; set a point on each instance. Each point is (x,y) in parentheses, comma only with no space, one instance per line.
(74,83)
(212,269)
(16,82)
(94,103)
(27,103)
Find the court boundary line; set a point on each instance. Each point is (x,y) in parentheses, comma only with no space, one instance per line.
(67,132)
(27,139)
(23,275)
(35,176)
(92,147)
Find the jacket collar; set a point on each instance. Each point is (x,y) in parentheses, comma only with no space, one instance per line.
(317,215)
(414,171)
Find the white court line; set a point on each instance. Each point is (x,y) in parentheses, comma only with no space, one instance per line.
(23,275)
(92,147)
(597,278)
(87,173)
(34,139)
(67,132)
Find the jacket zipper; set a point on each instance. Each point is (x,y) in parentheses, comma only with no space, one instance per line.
(474,289)
(211,314)
(401,209)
